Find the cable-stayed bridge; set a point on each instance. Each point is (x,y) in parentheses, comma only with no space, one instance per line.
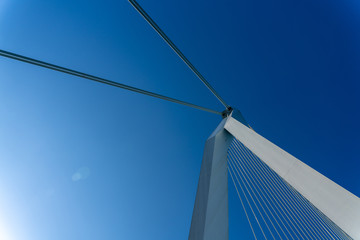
(281,197)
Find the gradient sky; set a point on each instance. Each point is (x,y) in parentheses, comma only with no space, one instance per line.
(82,160)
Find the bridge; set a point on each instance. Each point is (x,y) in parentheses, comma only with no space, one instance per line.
(281,197)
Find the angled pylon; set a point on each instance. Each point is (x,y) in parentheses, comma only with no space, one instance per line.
(210,218)
(210,214)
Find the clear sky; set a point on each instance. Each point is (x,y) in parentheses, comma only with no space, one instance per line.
(82,160)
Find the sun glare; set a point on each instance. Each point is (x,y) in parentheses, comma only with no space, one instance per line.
(4,235)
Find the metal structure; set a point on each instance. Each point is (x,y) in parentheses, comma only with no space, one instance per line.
(313,206)
(210,216)
(282,197)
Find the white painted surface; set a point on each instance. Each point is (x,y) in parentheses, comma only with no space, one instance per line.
(338,204)
(210,218)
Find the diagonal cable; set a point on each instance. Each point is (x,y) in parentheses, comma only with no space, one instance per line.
(284,209)
(267,196)
(251,193)
(291,206)
(256,187)
(242,203)
(232,166)
(176,50)
(300,203)
(280,182)
(101,80)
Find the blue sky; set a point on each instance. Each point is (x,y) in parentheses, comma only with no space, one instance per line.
(82,160)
